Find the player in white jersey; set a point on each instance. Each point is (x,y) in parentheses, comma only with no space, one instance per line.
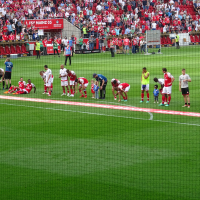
(184,88)
(44,79)
(48,75)
(161,82)
(2,73)
(64,80)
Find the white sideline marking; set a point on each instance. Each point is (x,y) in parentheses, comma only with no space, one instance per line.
(137,109)
(89,113)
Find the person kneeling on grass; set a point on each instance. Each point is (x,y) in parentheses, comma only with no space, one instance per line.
(27,90)
(123,88)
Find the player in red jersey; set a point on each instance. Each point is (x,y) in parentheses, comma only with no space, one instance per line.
(168,80)
(27,90)
(72,77)
(123,88)
(21,86)
(115,83)
(83,85)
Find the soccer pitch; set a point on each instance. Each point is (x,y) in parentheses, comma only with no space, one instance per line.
(57,151)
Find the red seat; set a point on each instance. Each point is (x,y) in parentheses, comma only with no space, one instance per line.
(18,50)
(23,48)
(12,49)
(196,38)
(2,50)
(7,50)
(168,40)
(192,38)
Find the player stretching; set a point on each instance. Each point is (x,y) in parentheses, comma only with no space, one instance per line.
(161,82)
(43,78)
(145,84)
(21,86)
(115,83)
(123,88)
(168,80)
(83,85)
(48,75)
(72,77)
(2,73)
(27,90)
(64,80)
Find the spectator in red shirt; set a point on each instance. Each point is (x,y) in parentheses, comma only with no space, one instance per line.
(45,46)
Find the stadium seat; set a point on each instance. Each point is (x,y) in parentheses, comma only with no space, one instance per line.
(23,49)
(196,38)
(7,50)
(2,51)
(18,50)
(12,49)
(192,38)
(168,40)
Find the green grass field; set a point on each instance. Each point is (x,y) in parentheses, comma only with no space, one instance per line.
(58,152)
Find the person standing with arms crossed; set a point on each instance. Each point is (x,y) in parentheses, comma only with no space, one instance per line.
(67,54)
(8,71)
(183,87)
(145,84)
(37,48)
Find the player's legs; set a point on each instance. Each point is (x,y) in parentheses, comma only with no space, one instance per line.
(84,89)
(142,95)
(113,91)
(66,57)
(80,90)
(70,60)
(188,100)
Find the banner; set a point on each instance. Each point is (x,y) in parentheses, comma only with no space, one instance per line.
(50,49)
(45,23)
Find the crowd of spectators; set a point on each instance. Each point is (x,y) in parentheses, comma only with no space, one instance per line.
(100,17)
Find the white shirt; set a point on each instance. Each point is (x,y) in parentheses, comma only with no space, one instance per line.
(1,69)
(161,81)
(98,7)
(48,74)
(63,72)
(153,25)
(65,41)
(182,78)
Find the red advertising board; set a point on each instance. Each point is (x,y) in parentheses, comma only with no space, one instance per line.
(50,49)
(45,23)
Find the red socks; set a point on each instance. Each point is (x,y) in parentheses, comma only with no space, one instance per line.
(147,96)
(49,92)
(163,99)
(45,88)
(169,99)
(63,91)
(51,87)
(142,96)
(85,92)
(71,91)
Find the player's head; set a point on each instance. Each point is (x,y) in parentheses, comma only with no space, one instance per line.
(41,73)
(95,75)
(156,86)
(164,70)
(144,69)
(183,71)
(8,59)
(155,79)
(61,66)
(68,71)
(29,81)
(45,67)
(21,79)
(114,81)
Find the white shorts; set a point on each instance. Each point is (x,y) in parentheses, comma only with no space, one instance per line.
(51,79)
(167,90)
(127,89)
(64,83)
(72,82)
(84,85)
(49,83)
(146,88)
